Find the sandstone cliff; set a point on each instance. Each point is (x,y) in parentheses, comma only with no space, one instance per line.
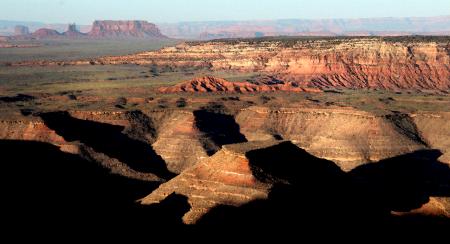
(179,140)
(345,136)
(225,178)
(375,149)
(33,130)
(366,63)
(434,128)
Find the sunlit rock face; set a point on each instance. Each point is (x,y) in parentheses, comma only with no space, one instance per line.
(349,63)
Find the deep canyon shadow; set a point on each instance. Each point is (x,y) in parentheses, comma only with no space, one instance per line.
(219,129)
(44,188)
(314,192)
(110,140)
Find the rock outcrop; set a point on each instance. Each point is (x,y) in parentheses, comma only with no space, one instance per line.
(345,136)
(213,84)
(33,130)
(223,179)
(21,30)
(73,33)
(355,63)
(124,29)
(45,33)
(437,206)
(272,181)
(434,129)
(179,141)
(107,29)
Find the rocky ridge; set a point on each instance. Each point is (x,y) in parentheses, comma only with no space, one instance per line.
(213,84)
(225,178)
(348,137)
(357,63)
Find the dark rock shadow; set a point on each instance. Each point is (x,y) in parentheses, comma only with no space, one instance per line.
(45,189)
(110,140)
(313,192)
(405,182)
(17,98)
(219,129)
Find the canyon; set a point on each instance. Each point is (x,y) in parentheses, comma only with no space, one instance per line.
(186,154)
(240,132)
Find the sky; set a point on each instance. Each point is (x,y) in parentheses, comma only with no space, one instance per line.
(86,11)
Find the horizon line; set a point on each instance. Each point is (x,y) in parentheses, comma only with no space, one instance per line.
(229,20)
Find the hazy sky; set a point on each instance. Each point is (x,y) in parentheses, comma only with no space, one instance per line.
(85,11)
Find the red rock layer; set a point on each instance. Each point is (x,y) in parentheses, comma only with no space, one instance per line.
(213,84)
(344,63)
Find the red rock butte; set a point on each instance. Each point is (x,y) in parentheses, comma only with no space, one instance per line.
(124,28)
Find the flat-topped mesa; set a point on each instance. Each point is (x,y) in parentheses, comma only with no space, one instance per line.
(45,33)
(364,63)
(124,29)
(213,84)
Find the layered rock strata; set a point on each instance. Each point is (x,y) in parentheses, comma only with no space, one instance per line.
(346,136)
(368,63)
(223,179)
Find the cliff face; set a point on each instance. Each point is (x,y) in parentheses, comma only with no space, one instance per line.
(223,179)
(139,29)
(347,137)
(373,149)
(434,128)
(179,140)
(346,63)
(26,130)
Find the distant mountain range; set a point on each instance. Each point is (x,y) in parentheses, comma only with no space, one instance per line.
(319,27)
(288,27)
